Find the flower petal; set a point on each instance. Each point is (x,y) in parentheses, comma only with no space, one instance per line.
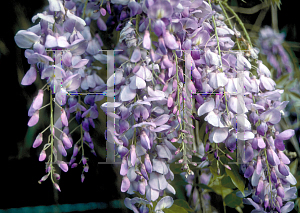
(165,202)
(127,94)
(25,39)
(29,77)
(206,107)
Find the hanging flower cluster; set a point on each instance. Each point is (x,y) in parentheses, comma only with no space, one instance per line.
(59,48)
(271,46)
(158,99)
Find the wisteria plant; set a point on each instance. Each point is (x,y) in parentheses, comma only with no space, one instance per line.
(192,100)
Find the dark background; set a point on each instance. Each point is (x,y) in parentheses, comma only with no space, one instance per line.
(21,169)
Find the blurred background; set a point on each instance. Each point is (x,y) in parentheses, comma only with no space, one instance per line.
(100,192)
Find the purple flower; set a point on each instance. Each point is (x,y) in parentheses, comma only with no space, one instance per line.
(34,119)
(160,9)
(25,39)
(29,77)
(164,203)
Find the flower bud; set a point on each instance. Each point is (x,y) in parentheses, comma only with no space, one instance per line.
(74,165)
(63,166)
(228,156)
(259,186)
(102,11)
(34,119)
(147,163)
(262,129)
(43,178)
(277,206)
(64,118)
(174,140)
(48,169)
(75,150)
(61,148)
(280,190)
(147,40)
(144,172)
(227,167)
(279,199)
(273,175)
(42,155)
(66,141)
(86,168)
(132,155)
(57,176)
(82,177)
(258,165)
(124,166)
(84,160)
(38,101)
(249,171)
(266,201)
(56,186)
(37,142)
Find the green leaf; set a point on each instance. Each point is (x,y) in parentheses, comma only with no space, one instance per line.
(294,167)
(226,182)
(202,132)
(176,168)
(295,96)
(196,159)
(219,189)
(281,82)
(232,200)
(175,209)
(182,203)
(236,178)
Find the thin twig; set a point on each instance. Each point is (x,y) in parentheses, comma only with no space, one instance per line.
(251,10)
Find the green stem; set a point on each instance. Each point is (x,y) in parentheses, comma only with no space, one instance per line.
(44,106)
(84,8)
(81,132)
(217,37)
(239,21)
(177,76)
(269,174)
(51,135)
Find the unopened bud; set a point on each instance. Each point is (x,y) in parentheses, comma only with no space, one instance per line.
(37,142)
(42,156)
(174,140)
(86,168)
(82,178)
(228,156)
(57,176)
(226,166)
(84,160)
(74,165)
(56,186)
(43,178)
